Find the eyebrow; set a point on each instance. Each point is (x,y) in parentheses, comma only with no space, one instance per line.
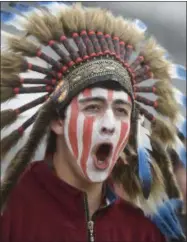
(92,99)
(122,102)
(101,99)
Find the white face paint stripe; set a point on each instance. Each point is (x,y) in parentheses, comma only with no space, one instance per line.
(66,126)
(80,96)
(108,120)
(120,95)
(99,92)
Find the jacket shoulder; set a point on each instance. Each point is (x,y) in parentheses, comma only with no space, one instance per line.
(132,215)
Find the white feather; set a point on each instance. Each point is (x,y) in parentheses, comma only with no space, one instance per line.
(143,134)
(18,22)
(55,7)
(141,26)
(178,72)
(178,95)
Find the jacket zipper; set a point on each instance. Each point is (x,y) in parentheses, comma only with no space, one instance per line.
(91,229)
(89,223)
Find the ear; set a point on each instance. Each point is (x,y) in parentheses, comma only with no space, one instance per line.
(57,126)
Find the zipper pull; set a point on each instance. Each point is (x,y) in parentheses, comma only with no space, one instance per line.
(91,229)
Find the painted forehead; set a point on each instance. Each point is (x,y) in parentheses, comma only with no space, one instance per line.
(107,94)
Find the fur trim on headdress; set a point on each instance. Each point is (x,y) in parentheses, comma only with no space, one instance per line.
(12,63)
(163,161)
(163,130)
(154,55)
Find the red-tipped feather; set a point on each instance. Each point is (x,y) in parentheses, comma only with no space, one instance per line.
(9,116)
(11,140)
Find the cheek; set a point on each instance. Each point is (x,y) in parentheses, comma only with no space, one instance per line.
(124,130)
(87,141)
(123,137)
(124,134)
(88,125)
(127,128)
(78,129)
(72,126)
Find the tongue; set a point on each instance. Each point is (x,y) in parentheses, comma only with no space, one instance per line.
(101,165)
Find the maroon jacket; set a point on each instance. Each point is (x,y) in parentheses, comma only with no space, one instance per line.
(42,208)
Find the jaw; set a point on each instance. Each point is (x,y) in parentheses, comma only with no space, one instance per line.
(97,176)
(97,170)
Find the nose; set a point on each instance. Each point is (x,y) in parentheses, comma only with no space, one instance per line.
(108,123)
(107,131)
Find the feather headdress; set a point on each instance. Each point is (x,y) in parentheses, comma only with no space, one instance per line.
(92,45)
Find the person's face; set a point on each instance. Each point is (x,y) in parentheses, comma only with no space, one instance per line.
(96,130)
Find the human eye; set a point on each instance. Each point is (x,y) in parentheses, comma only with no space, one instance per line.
(122,112)
(92,108)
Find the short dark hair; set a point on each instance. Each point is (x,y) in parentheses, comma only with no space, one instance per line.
(112,85)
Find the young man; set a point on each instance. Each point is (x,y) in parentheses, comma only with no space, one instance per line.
(96,139)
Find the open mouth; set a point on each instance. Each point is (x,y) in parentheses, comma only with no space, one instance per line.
(101,156)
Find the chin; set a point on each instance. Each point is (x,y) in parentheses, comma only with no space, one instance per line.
(97,176)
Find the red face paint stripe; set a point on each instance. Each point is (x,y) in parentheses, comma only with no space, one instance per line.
(110,95)
(87,92)
(87,139)
(123,133)
(72,127)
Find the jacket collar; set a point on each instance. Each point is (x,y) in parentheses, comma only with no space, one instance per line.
(64,192)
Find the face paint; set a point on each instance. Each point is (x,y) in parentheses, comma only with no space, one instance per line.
(96,140)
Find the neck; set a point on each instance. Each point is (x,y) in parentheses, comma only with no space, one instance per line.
(66,171)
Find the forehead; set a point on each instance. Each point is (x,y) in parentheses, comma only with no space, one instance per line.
(107,94)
